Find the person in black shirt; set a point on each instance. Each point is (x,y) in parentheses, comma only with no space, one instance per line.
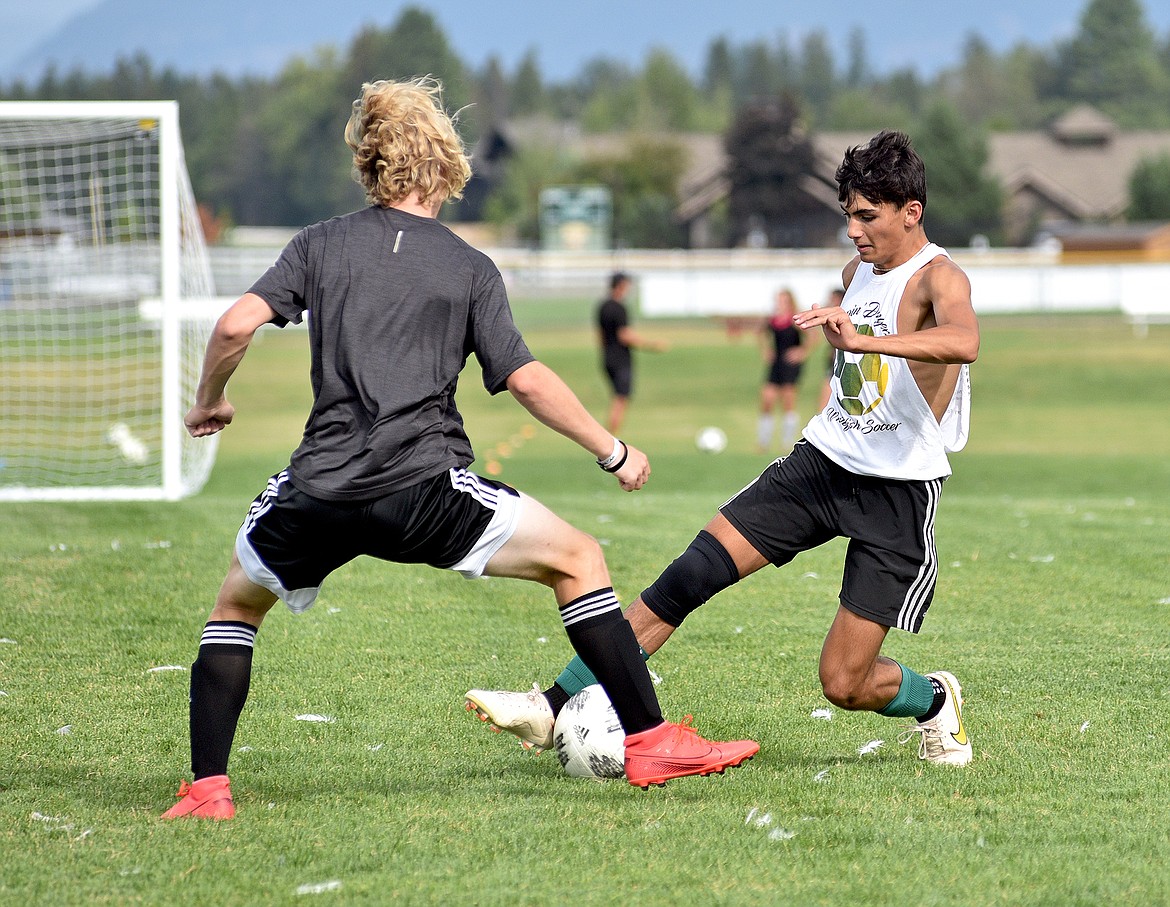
(618,340)
(785,351)
(396,303)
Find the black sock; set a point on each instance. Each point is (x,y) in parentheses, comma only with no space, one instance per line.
(940,698)
(606,643)
(557,697)
(219,688)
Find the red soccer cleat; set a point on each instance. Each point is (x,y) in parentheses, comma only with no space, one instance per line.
(207,798)
(675,750)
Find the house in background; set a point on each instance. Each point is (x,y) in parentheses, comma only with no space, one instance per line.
(1074,172)
(1136,242)
(1069,181)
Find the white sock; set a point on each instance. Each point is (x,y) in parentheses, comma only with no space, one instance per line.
(791,421)
(764,430)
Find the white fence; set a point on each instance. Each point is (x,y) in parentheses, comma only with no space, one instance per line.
(1139,290)
(743,282)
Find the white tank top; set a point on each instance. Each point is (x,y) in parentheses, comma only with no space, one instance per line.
(877,422)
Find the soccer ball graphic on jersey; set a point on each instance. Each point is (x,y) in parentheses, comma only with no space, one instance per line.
(861,379)
(588,737)
(711,440)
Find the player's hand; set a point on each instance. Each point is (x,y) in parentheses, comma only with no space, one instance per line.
(202,421)
(635,471)
(834,322)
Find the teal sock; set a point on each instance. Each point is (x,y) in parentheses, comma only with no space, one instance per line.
(915,696)
(576,677)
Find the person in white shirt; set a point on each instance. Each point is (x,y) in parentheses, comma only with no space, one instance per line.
(869,468)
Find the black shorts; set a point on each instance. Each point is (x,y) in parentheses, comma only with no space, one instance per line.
(621,377)
(782,372)
(290,541)
(805,500)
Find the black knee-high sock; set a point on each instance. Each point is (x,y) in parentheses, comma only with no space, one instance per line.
(219,688)
(606,643)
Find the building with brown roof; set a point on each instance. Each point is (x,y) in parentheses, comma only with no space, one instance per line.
(1071,174)
(1075,172)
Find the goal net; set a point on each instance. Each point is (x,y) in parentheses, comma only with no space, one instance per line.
(104,282)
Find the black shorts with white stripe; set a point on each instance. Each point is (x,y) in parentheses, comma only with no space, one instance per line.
(805,499)
(302,539)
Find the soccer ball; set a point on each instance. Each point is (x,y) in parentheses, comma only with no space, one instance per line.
(588,737)
(132,449)
(861,380)
(711,440)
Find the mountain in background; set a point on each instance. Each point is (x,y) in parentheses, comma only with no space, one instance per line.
(228,36)
(258,37)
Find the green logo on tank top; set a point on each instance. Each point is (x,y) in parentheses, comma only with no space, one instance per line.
(860,379)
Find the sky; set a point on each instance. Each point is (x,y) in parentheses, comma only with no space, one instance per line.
(900,34)
(23,24)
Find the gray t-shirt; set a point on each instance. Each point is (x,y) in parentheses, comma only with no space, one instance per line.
(396,303)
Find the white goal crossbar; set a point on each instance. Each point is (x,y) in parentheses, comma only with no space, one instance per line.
(97,220)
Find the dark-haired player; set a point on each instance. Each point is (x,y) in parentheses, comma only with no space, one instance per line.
(870,467)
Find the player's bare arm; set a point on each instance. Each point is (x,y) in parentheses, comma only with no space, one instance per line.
(825,316)
(627,336)
(230,339)
(541,391)
(834,323)
(937,322)
(767,348)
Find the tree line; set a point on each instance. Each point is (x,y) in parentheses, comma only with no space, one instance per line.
(269,151)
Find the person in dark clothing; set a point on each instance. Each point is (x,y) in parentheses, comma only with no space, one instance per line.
(618,340)
(396,303)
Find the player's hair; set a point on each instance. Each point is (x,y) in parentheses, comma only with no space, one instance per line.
(403,140)
(617,277)
(884,169)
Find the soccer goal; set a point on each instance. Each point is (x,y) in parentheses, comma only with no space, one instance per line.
(105,290)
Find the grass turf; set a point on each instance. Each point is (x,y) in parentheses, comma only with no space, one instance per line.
(1050,610)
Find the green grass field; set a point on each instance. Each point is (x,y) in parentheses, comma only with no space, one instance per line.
(1051,609)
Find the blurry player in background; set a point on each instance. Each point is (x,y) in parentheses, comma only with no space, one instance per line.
(870,468)
(396,303)
(785,350)
(618,341)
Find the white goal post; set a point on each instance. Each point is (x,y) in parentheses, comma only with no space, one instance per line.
(97,223)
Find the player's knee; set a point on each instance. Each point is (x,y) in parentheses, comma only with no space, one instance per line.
(239,598)
(590,554)
(697,574)
(581,557)
(842,691)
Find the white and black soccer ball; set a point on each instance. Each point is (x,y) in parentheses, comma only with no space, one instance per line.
(711,440)
(588,736)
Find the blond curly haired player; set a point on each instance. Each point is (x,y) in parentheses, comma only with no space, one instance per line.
(395,303)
